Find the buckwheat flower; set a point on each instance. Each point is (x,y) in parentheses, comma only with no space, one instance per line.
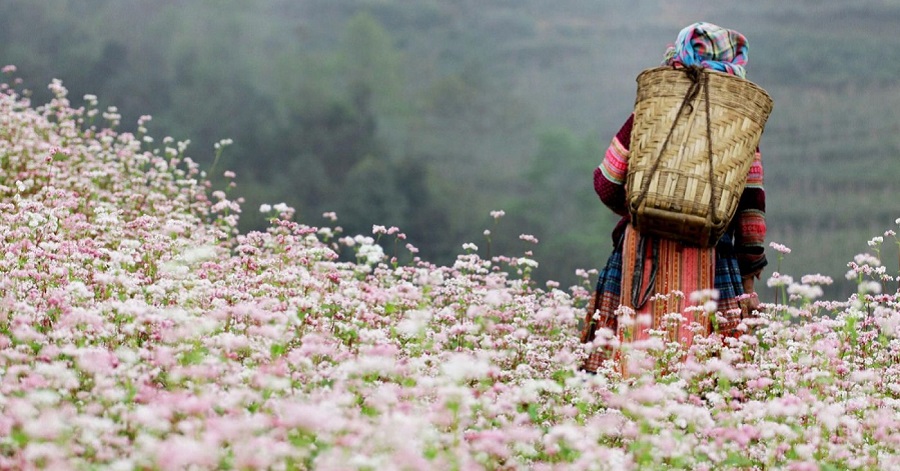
(376,229)
(282,208)
(8,69)
(876,241)
(869,287)
(222,144)
(703,295)
(182,452)
(331,216)
(229,174)
(371,254)
(527,262)
(199,254)
(96,361)
(780,248)
(414,323)
(325,233)
(265,208)
(805,291)
(500,213)
(112,115)
(889,323)
(528,238)
(866,259)
(468,246)
(461,366)
(777,279)
(78,290)
(817,279)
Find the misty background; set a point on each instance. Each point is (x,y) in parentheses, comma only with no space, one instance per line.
(429,114)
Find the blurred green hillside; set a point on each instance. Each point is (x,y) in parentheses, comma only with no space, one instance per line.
(428,114)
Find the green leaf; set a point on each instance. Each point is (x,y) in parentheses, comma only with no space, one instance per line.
(277,350)
(194,356)
(20,437)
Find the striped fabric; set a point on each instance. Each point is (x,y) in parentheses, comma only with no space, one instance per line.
(709,46)
(684,269)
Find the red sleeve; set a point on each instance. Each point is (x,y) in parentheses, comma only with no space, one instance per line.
(750,222)
(609,177)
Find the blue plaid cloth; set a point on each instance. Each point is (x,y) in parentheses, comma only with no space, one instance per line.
(709,46)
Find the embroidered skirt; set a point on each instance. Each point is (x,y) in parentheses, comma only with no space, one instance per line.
(654,277)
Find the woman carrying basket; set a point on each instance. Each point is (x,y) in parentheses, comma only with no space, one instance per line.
(648,278)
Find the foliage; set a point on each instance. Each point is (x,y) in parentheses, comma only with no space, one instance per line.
(139,329)
(462,90)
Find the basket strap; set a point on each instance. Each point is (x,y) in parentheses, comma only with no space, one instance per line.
(637,299)
(713,199)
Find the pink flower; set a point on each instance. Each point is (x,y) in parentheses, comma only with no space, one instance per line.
(780,248)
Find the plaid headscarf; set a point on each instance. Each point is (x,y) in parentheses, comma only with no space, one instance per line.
(709,46)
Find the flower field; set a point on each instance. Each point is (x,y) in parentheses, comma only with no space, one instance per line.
(140,330)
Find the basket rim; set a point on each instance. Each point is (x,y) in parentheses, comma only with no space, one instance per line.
(712,73)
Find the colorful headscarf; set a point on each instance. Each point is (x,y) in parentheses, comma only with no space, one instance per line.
(709,46)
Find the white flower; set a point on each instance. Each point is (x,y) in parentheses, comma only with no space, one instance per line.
(805,291)
(703,295)
(414,323)
(778,279)
(870,287)
(866,259)
(265,208)
(817,279)
(461,367)
(527,262)
(199,254)
(370,253)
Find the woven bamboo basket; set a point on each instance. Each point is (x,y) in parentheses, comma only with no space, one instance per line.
(677,188)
